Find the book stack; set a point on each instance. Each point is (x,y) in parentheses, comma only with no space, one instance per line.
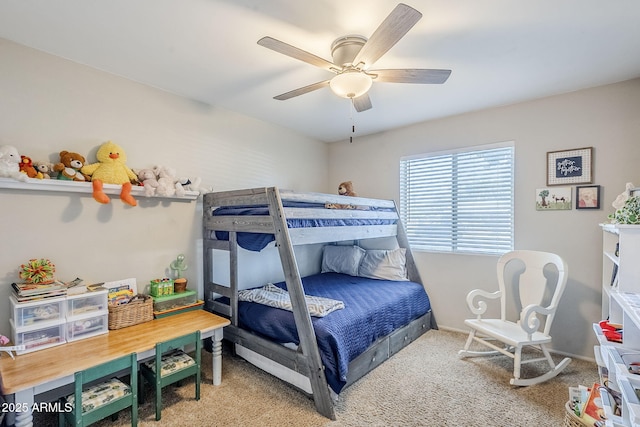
(34,291)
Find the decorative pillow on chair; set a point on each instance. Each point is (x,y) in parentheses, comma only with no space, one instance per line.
(101,394)
(386,264)
(172,362)
(342,259)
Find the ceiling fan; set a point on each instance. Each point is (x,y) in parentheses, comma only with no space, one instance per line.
(353,55)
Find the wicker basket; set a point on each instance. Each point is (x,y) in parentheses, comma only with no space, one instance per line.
(138,310)
(571,419)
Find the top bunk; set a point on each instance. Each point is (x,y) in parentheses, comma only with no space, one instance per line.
(259,213)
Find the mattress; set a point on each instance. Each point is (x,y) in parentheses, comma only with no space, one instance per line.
(373,309)
(258,241)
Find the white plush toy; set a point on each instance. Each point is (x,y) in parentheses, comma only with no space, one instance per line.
(167,182)
(10,163)
(194,184)
(149,181)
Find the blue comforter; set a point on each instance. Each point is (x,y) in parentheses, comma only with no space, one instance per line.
(373,309)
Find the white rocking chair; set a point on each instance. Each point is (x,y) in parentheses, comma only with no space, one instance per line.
(533,286)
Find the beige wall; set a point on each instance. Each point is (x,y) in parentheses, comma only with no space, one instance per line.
(49,104)
(605,118)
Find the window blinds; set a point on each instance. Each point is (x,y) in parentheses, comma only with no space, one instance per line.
(459,201)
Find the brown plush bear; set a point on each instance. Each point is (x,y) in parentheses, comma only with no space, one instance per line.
(346,189)
(69,167)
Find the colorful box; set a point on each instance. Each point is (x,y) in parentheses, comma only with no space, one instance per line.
(161,287)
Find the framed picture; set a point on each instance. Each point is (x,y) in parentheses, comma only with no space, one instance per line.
(553,199)
(569,166)
(588,197)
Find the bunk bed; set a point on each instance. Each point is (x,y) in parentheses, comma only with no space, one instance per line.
(252,219)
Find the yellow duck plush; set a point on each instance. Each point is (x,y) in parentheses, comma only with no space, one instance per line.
(111,169)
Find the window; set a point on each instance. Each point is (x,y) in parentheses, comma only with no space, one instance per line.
(460,201)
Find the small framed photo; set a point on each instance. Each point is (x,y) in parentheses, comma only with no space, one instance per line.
(588,197)
(553,199)
(570,166)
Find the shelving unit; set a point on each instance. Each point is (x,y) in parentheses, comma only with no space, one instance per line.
(621,305)
(63,186)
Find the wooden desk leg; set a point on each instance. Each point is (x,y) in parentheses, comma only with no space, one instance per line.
(217,356)
(24,402)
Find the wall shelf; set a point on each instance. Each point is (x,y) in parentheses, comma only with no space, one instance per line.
(62,186)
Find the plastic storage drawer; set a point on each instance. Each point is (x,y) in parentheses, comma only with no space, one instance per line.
(86,303)
(34,312)
(86,326)
(38,337)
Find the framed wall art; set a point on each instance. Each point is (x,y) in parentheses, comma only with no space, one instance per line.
(588,197)
(570,166)
(553,199)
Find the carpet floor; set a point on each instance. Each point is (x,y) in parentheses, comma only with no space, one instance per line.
(425,384)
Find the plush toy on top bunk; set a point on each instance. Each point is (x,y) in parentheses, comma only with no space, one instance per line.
(10,163)
(111,168)
(344,189)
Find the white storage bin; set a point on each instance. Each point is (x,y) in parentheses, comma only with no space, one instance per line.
(86,303)
(86,326)
(39,336)
(37,312)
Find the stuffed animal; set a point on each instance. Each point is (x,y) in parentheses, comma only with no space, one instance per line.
(194,184)
(26,167)
(45,169)
(149,181)
(346,189)
(10,163)
(168,184)
(111,168)
(70,166)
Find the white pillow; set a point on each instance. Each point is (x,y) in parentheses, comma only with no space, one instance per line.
(342,259)
(384,264)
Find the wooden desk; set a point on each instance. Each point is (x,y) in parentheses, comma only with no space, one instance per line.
(44,370)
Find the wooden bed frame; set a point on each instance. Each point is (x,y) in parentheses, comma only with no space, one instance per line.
(306,359)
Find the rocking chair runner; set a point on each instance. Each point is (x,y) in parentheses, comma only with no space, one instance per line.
(514,336)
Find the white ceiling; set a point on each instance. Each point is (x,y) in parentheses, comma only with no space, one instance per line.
(500,51)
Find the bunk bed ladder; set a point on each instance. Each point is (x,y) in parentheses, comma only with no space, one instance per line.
(306,333)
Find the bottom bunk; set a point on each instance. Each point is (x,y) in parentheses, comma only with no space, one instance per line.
(374,320)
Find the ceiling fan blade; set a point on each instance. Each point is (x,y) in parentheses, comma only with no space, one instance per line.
(294,52)
(302,90)
(362,103)
(393,28)
(423,76)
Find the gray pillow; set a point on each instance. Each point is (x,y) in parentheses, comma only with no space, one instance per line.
(342,259)
(384,264)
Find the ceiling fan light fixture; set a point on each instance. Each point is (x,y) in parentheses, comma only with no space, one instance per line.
(351,84)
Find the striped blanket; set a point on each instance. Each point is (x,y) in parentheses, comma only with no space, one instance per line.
(274,296)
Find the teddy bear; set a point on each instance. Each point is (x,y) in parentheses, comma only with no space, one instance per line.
(344,189)
(111,168)
(26,166)
(70,166)
(10,163)
(45,169)
(149,181)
